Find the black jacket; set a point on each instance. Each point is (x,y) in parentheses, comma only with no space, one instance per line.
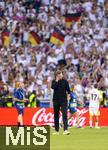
(61,88)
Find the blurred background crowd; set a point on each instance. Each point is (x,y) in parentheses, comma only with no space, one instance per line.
(83,57)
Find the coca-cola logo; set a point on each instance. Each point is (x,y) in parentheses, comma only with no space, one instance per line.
(82,118)
(45,117)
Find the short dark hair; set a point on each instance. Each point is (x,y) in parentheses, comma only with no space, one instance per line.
(58,72)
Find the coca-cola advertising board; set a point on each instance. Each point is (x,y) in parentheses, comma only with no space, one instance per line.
(45,116)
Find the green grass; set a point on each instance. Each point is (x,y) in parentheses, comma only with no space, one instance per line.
(81,139)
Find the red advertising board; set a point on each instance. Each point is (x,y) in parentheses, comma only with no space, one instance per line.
(45,116)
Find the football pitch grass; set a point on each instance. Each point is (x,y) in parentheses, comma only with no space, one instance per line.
(80,139)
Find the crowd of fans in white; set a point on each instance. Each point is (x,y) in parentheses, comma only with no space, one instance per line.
(83,57)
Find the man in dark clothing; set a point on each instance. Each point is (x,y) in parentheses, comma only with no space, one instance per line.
(61,93)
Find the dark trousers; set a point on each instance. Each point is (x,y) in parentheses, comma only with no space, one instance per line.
(63,107)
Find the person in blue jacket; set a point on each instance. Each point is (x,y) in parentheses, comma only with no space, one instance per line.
(73,106)
(19,101)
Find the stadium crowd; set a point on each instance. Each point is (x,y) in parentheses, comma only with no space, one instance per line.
(83,57)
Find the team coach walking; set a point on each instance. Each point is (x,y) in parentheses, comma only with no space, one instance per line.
(61,92)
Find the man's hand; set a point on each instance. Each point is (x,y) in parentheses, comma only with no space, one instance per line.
(57,79)
(24,100)
(68,97)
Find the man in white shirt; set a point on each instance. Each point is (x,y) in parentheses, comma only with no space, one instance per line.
(94,102)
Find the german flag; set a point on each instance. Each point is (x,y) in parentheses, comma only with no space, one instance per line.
(33,38)
(6,38)
(57,37)
(69,18)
